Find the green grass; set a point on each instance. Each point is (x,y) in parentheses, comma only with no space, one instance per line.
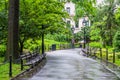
(4,71)
(30,44)
(117,62)
(1,60)
(110,55)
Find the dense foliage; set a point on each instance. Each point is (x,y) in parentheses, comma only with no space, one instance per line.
(38,13)
(50,14)
(105,21)
(3,26)
(117,41)
(3,21)
(105,24)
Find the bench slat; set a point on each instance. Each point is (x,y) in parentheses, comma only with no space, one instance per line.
(31,59)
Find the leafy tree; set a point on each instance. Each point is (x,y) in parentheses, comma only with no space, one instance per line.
(78,36)
(105,21)
(3,26)
(117,17)
(84,7)
(95,33)
(110,23)
(27,28)
(3,21)
(40,17)
(116,40)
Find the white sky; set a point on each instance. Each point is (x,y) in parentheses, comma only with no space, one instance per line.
(99,1)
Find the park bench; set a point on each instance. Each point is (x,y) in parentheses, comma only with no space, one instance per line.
(31,59)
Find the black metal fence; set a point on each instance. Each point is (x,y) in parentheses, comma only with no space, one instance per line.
(12,68)
(108,57)
(9,68)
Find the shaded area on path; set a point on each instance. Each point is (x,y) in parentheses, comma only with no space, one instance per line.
(71,65)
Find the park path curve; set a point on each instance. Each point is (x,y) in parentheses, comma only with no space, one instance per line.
(72,65)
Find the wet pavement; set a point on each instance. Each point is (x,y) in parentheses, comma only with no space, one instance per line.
(72,65)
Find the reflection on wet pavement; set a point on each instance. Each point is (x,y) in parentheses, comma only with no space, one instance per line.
(71,65)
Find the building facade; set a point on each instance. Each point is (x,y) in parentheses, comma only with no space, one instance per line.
(70,8)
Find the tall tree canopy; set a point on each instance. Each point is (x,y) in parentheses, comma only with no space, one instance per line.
(38,13)
(106,22)
(85,7)
(3,20)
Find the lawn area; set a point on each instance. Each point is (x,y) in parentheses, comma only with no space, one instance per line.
(30,45)
(110,55)
(4,70)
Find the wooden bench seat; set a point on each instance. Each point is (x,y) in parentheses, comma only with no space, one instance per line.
(30,59)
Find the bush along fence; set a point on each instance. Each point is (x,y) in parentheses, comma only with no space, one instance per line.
(108,57)
(26,62)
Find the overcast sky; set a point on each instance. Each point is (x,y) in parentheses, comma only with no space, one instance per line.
(99,1)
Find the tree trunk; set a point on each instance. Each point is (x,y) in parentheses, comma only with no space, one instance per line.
(13,23)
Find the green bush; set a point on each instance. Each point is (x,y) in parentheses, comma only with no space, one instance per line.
(96,44)
(31,44)
(58,37)
(118,56)
(116,41)
(2,50)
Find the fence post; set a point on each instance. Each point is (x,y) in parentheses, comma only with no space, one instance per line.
(101,54)
(21,64)
(10,66)
(90,52)
(113,56)
(107,56)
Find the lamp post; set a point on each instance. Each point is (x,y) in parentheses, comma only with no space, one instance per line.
(43,50)
(84,24)
(72,29)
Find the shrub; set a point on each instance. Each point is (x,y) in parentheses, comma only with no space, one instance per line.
(96,44)
(58,37)
(116,41)
(118,56)
(2,50)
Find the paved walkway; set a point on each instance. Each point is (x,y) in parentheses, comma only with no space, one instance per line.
(71,65)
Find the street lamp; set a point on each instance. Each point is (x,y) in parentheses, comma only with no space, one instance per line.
(43,50)
(84,24)
(72,29)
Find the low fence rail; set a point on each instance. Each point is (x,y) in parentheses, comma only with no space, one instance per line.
(10,68)
(108,57)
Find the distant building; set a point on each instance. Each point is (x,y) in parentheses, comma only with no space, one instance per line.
(70,8)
